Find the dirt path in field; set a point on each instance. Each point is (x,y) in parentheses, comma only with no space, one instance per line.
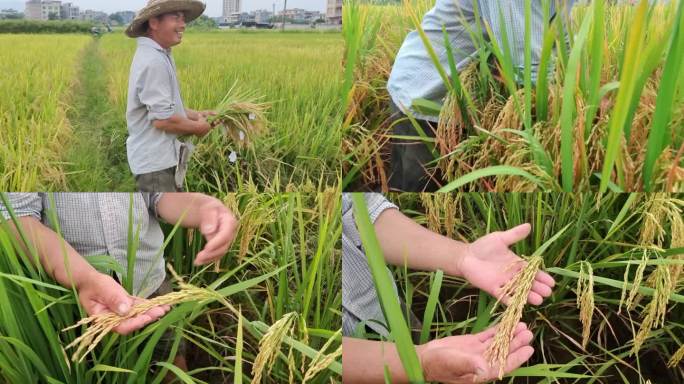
(96,159)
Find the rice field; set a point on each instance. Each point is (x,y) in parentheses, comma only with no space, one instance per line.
(615,314)
(269,312)
(297,74)
(37,76)
(610,117)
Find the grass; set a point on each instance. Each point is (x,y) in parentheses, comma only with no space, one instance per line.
(284,265)
(608,117)
(615,314)
(73,136)
(34,101)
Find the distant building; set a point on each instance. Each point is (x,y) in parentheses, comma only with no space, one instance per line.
(262,16)
(90,15)
(52,9)
(43,10)
(299,15)
(69,12)
(334,12)
(34,10)
(231,8)
(233,18)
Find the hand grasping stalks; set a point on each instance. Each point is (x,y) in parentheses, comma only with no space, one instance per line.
(517,288)
(241,115)
(102,324)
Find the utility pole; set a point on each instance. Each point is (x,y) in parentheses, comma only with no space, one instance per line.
(284,9)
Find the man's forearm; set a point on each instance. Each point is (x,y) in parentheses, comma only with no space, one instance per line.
(173,207)
(404,241)
(364,362)
(70,270)
(179,125)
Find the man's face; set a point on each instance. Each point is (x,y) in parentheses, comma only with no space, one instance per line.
(167,29)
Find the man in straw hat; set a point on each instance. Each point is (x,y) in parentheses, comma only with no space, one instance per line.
(156,114)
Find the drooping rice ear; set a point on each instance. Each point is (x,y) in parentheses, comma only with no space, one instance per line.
(518,289)
(585,299)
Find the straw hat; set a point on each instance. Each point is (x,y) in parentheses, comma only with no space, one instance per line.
(192,9)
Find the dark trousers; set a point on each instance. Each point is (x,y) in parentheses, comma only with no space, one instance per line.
(410,171)
(160,181)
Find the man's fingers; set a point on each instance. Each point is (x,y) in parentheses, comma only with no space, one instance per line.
(217,245)
(117,300)
(545,279)
(491,331)
(516,234)
(133,324)
(518,358)
(520,340)
(505,299)
(486,334)
(534,298)
(210,221)
(542,290)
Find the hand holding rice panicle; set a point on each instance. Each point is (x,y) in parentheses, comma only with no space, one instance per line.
(241,115)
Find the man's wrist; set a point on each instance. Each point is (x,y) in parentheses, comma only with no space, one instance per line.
(459,251)
(85,278)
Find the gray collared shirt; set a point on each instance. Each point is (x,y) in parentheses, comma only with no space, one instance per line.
(153,94)
(97,224)
(360,301)
(414,75)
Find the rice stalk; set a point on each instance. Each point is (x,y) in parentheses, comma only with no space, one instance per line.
(585,299)
(321,360)
(676,357)
(629,301)
(517,288)
(657,308)
(270,345)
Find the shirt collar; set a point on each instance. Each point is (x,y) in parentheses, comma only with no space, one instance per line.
(147,42)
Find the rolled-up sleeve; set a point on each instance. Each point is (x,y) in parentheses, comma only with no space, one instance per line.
(376,204)
(22,204)
(155,90)
(153,203)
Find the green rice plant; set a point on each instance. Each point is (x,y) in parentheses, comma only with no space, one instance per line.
(222,329)
(599,248)
(586,126)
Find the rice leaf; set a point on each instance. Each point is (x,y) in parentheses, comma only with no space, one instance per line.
(388,300)
(499,170)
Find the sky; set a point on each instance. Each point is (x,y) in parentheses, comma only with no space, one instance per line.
(214,7)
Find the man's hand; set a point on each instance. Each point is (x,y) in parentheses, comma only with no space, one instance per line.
(489,264)
(219,226)
(207,114)
(460,359)
(99,293)
(202,127)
